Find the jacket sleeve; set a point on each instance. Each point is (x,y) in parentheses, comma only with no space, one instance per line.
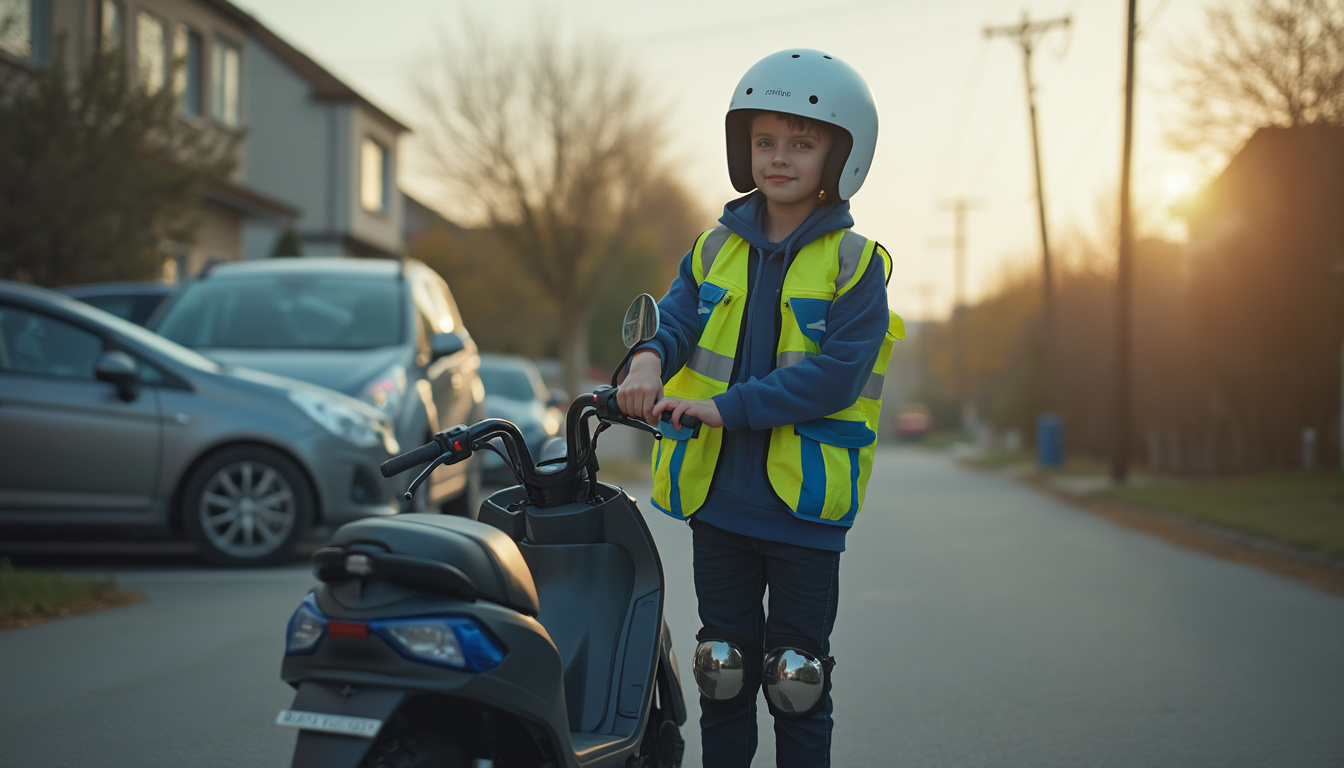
(678,321)
(825,383)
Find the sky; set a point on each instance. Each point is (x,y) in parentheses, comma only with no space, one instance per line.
(952,106)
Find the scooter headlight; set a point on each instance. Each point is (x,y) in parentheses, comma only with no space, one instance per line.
(448,641)
(306,627)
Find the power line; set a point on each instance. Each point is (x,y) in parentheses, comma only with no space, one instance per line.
(1027,34)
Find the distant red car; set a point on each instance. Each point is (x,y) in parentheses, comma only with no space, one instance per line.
(913,422)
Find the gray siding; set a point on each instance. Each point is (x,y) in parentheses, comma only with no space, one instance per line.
(291,153)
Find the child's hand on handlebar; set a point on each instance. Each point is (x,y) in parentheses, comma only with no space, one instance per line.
(704,410)
(642,387)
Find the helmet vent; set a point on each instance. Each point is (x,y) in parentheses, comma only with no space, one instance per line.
(812,99)
(824,56)
(749,90)
(795,56)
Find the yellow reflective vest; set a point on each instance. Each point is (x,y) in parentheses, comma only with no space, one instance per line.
(819,468)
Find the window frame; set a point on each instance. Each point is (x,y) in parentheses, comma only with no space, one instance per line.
(188,70)
(111,25)
(383,175)
(160,77)
(224,111)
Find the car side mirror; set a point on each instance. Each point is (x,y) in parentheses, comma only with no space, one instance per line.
(444,344)
(118,368)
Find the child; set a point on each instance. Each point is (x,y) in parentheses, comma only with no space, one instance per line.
(775,335)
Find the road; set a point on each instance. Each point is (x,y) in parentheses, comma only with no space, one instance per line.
(981,624)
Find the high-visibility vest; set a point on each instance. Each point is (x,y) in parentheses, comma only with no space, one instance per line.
(818,468)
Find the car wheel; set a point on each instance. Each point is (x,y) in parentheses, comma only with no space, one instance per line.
(468,503)
(247,505)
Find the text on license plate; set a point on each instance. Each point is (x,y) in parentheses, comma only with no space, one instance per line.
(365,727)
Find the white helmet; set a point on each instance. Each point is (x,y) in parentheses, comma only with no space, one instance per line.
(816,86)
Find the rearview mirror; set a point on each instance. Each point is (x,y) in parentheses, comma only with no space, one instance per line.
(641,325)
(641,321)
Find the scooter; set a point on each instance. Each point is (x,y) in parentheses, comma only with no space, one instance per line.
(533,637)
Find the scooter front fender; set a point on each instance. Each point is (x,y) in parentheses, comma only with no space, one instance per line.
(318,749)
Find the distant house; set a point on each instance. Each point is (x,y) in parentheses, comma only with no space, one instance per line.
(317,144)
(1262,306)
(316,158)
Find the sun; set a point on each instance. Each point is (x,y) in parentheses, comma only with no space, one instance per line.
(1178,185)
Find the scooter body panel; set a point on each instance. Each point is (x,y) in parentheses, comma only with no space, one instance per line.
(580,675)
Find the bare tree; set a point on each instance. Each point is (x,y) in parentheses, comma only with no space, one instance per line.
(548,141)
(1262,63)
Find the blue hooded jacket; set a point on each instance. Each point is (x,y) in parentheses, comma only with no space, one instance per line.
(762,397)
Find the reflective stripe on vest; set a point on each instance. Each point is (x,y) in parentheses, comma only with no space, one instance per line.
(819,469)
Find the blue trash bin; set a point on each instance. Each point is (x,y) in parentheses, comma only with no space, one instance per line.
(1049,440)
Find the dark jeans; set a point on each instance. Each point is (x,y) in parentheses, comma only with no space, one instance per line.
(733,575)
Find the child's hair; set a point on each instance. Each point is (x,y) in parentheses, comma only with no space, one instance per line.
(798,123)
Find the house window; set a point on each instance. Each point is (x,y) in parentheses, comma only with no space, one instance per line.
(228,62)
(25,28)
(187,74)
(16,28)
(373,176)
(113,25)
(151,51)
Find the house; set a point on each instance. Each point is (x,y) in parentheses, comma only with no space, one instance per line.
(1262,300)
(316,158)
(317,144)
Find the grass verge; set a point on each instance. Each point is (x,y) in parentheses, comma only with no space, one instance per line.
(1303,510)
(31,597)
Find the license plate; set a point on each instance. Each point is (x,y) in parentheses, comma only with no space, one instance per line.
(364,727)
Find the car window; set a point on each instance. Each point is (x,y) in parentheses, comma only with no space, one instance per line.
(42,345)
(431,299)
(271,311)
(508,382)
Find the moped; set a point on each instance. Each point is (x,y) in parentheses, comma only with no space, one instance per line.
(531,637)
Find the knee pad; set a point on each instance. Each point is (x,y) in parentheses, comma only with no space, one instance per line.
(796,677)
(726,667)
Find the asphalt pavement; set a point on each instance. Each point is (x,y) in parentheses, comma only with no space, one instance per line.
(981,624)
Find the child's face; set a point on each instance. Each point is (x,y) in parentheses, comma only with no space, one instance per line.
(786,163)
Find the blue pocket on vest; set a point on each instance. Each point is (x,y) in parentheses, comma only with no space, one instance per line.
(837,432)
(685,433)
(710,296)
(811,316)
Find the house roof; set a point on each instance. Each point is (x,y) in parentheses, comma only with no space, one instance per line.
(325,86)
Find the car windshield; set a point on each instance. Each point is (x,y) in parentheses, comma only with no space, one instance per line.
(507,382)
(292,311)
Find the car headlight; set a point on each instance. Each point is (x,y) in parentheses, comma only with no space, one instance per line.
(344,420)
(387,390)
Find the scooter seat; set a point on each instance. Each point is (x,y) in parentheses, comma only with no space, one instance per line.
(481,559)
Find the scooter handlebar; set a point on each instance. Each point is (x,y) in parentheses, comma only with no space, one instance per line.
(607,407)
(422,455)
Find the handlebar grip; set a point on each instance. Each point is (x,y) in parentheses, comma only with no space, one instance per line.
(687,422)
(422,455)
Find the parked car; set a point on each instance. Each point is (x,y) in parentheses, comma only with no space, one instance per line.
(514,390)
(386,332)
(105,425)
(913,422)
(129,301)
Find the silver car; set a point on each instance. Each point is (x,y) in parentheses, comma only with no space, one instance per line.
(106,426)
(387,332)
(515,391)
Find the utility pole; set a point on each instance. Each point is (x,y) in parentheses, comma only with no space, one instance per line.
(925,292)
(959,206)
(1124,273)
(1027,34)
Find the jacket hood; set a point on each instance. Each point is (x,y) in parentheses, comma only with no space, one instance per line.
(743,217)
